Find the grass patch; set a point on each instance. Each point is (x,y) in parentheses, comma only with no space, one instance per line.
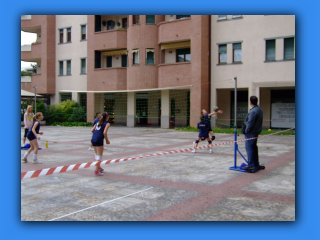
(72,124)
(231,130)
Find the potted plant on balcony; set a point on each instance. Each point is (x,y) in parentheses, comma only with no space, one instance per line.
(104,23)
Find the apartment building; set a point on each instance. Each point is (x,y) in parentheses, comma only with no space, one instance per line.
(142,69)
(260,51)
(161,70)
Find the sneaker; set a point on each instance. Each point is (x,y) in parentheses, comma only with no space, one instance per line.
(210,150)
(101,170)
(97,173)
(105,148)
(193,151)
(24,160)
(90,149)
(36,161)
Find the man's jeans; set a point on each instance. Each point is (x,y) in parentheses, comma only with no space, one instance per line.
(252,150)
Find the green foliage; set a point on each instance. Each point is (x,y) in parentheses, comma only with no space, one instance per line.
(231,130)
(66,111)
(25,73)
(78,115)
(72,124)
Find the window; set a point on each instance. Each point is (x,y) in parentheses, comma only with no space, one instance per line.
(69,67)
(124,22)
(149,18)
(237,53)
(60,68)
(222,17)
(109,61)
(271,50)
(183,55)
(135,56)
(65,96)
(68,34)
(123,60)
(135,19)
(150,56)
(61,35)
(183,16)
(223,53)
(83,32)
(83,66)
(288,48)
(236,16)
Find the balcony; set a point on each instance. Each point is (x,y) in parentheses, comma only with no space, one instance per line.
(110,39)
(108,79)
(26,79)
(29,22)
(30,53)
(176,30)
(174,74)
(35,80)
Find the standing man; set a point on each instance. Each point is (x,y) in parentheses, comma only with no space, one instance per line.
(253,128)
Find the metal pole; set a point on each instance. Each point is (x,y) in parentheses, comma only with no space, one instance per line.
(35,99)
(235,122)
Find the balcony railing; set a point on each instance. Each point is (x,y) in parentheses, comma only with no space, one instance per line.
(174,74)
(25,17)
(176,30)
(111,39)
(32,51)
(108,79)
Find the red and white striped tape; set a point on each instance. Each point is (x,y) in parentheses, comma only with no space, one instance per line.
(61,169)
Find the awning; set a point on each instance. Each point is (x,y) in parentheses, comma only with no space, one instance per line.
(28,94)
(175,45)
(135,51)
(118,52)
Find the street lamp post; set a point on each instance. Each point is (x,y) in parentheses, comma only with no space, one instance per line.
(35,99)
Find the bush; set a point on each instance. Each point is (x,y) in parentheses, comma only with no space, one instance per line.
(25,73)
(66,111)
(78,115)
(72,124)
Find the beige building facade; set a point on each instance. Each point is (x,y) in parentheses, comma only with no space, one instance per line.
(260,51)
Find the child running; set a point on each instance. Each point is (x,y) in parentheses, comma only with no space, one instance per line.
(99,131)
(207,117)
(33,138)
(98,115)
(28,121)
(203,127)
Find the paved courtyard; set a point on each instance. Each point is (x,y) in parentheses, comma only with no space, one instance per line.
(175,187)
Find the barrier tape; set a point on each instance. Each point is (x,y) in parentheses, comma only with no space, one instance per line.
(61,169)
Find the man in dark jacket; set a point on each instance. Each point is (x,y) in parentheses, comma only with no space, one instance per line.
(253,128)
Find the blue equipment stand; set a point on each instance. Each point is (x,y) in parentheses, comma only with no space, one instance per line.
(236,149)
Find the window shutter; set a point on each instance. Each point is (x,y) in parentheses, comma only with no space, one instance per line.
(237,46)
(150,19)
(222,48)
(289,48)
(270,50)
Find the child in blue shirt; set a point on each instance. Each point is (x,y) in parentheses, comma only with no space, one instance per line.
(98,115)
(203,127)
(99,131)
(33,137)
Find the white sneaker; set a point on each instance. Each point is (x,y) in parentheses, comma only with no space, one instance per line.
(90,149)
(36,161)
(193,151)
(105,148)
(210,150)
(24,160)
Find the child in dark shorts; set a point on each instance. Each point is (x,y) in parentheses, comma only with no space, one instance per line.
(33,137)
(99,131)
(203,127)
